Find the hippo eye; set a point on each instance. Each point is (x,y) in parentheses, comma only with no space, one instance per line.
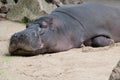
(28,24)
(43,25)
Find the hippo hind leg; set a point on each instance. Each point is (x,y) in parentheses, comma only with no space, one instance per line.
(99,41)
(102,41)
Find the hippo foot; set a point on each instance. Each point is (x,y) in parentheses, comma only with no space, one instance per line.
(99,41)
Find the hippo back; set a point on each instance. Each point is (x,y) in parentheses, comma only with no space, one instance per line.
(95,19)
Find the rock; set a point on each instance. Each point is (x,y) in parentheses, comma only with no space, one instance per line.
(59,3)
(4,9)
(2,15)
(11,2)
(71,1)
(3,1)
(30,9)
(66,1)
(1,4)
(115,75)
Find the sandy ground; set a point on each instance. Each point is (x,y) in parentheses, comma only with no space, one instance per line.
(76,64)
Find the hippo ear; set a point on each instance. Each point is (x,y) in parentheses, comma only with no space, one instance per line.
(43,25)
(51,20)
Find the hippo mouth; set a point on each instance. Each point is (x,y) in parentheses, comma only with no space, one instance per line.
(21,49)
(22,52)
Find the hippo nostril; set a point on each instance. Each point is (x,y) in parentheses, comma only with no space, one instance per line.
(22,35)
(15,35)
(18,37)
(14,39)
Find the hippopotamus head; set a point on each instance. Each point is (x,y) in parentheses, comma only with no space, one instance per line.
(28,41)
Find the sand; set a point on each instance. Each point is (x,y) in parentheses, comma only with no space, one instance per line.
(76,64)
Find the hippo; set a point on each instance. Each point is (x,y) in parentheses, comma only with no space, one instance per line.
(67,27)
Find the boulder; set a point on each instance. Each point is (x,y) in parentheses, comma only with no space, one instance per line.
(3,10)
(11,2)
(3,1)
(59,3)
(115,75)
(2,15)
(29,9)
(71,1)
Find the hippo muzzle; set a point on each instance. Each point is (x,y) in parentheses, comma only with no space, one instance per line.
(26,42)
